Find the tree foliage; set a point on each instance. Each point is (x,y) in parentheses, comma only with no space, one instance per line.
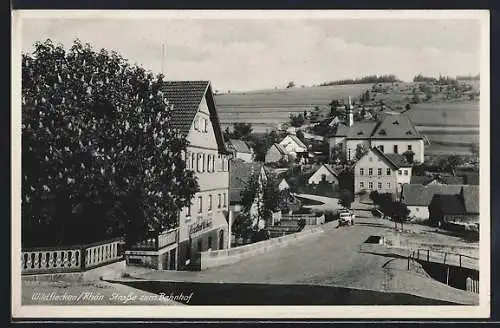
(346,198)
(100,158)
(361,150)
(241,131)
(297,120)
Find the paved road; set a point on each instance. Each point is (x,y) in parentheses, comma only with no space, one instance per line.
(331,257)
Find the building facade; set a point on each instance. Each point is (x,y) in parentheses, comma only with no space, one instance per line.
(324,173)
(203,225)
(276,153)
(241,150)
(385,173)
(395,134)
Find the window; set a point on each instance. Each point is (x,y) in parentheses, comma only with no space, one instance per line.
(406,172)
(198,162)
(188,210)
(400,172)
(417,209)
(361,171)
(388,171)
(193,161)
(203,162)
(187,160)
(349,153)
(370,185)
(388,185)
(379,185)
(213,163)
(209,202)
(196,123)
(200,205)
(381,147)
(379,171)
(370,171)
(205,127)
(200,246)
(219,204)
(361,184)
(224,196)
(209,242)
(409,147)
(395,149)
(370,159)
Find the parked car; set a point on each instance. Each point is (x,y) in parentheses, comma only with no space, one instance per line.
(346,218)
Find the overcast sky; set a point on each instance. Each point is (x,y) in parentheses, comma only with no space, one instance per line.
(238,54)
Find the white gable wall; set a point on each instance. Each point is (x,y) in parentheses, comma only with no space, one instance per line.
(318,176)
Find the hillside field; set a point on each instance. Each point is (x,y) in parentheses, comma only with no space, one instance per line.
(451,126)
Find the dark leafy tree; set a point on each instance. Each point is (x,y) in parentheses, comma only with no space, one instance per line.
(409,156)
(290,84)
(361,150)
(241,131)
(346,198)
(297,120)
(243,226)
(400,213)
(100,158)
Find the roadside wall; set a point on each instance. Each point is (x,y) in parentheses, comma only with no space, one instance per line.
(223,257)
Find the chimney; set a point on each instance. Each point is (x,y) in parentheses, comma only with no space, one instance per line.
(350,113)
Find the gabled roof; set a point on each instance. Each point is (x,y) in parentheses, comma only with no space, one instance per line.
(449,204)
(361,130)
(420,195)
(240,146)
(186,96)
(280,148)
(449,180)
(331,169)
(296,140)
(239,175)
(470,196)
(396,160)
(396,126)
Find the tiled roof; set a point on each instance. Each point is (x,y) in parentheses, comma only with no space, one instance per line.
(450,180)
(239,175)
(332,169)
(396,160)
(240,146)
(186,97)
(471,198)
(396,127)
(471,178)
(297,141)
(361,130)
(420,195)
(449,204)
(280,148)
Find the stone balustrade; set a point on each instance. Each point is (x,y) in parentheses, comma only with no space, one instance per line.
(71,258)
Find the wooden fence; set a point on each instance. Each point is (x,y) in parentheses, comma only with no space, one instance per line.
(448,258)
(72,258)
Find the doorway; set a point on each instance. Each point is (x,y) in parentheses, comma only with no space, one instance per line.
(221,239)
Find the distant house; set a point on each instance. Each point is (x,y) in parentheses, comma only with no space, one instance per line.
(293,145)
(324,173)
(240,150)
(418,197)
(394,134)
(385,173)
(283,185)
(240,174)
(456,211)
(438,179)
(276,153)
(471,177)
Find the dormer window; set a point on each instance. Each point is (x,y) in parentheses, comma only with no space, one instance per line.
(395,122)
(382,132)
(360,133)
(409,132)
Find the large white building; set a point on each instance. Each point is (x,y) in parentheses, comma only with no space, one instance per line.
(395,134)
(203,225)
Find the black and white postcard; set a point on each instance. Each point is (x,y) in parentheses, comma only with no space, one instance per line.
(250,164)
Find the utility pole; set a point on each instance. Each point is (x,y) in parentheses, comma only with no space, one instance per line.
(162,58)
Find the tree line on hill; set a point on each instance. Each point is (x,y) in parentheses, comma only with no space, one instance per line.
(390,78)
